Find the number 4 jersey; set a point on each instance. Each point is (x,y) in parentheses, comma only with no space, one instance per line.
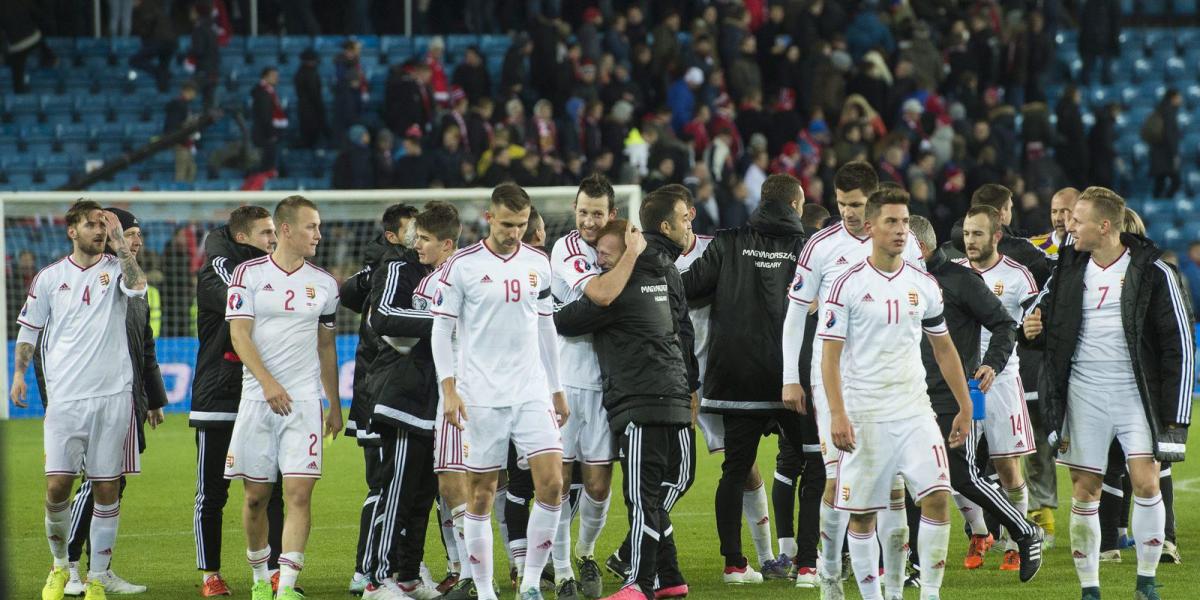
(286,308)
(80,313)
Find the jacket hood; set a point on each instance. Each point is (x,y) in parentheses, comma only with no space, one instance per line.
(659,256)
(220,242)
(776,220)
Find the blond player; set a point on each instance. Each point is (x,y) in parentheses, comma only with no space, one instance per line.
(281,311)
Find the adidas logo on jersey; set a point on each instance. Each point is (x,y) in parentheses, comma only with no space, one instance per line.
(64,288)
(842,261)
(486,279)
(268,288)
(868,298)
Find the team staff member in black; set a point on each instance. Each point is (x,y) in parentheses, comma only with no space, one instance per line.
(970,305)
(217,389)
(648,400)
(402,385)
(747,271)
(149,397)
(1116,332)
(355,296)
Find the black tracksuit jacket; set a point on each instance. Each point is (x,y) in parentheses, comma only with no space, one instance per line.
(356,296)
(217,386)
(643,368)
(969,304)
(746,272)
(402,383)
(1158,331)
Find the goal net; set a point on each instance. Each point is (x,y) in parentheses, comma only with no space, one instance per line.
(174,226)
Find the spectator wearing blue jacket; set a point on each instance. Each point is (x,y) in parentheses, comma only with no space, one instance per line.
(867,32)
(681,97)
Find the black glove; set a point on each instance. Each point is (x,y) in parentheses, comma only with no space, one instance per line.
(1171,444)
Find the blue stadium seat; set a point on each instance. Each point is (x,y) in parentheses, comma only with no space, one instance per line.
(124,48)
(494,44)
(56,180)
(88,46)
(142,132)
(266,45)
(22,104)
(396,47)
(457,44)
(75,132)
(1186,8)
(1159,210)
(8,147)
(18,180)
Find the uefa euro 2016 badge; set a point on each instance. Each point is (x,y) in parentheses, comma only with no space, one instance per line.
(830,319)
(235,301)
(581,265)
(797,281)
(105,279)
(533,279)
(437,297)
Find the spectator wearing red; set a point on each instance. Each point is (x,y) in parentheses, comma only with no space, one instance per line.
(543,132)
(697,130)
(457,115)
(437,71)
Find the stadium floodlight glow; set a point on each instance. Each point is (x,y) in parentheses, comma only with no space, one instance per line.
(32,222)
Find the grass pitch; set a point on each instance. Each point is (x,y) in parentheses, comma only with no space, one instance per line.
(156,547)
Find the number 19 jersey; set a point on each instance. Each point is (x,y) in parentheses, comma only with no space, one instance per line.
(497,302)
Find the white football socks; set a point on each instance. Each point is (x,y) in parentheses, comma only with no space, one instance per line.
(758,519)
(290,565)
(1148,523)
(103,537)
(864,558)
(592,516)
(833,531)
(58,530)
(892,530)
(933,541)
(543,523)
(258,563)
(477,531)
(1085,542)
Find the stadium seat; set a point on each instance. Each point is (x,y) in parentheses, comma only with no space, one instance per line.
(18,180)
(396,47)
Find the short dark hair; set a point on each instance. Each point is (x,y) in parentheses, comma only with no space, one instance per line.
(781,188)
(813,216)
(80,210)
(657,207)
(439,218)
(242,218)
(394,213)
(856,175)
(885,195)
(993,216)
(531,230)
(285,211)
(680,190)
(993,195)
(511,196)
(597,186)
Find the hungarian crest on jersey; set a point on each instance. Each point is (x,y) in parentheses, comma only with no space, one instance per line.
(998,289)
(105,279)
(310,291)
(533,279)
(913,298)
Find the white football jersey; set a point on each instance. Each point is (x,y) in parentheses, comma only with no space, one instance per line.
(826,256)
(573,263)
(1102,356)
(80,312)
(497,302)
(1013,285)
(286,309)
(881,316)
(699,316)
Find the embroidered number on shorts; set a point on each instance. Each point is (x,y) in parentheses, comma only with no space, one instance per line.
(939,454)
(313,439)
(1018,426)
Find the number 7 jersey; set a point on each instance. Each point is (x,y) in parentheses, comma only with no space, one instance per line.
(497,302)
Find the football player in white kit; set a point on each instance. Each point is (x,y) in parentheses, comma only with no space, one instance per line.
(880,416)
(78,306)
(1006,424)
(502,383)
(1119,364)
(586,436)
(281,321)
(826,256)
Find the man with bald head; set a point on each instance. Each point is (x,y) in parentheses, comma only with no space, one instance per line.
(1060,212)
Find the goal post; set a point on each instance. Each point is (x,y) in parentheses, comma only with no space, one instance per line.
(174,226)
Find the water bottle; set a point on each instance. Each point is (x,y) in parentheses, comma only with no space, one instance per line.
(978,411)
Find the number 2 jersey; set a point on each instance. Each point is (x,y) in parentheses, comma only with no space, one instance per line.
(80,313)
(497,303)
(286,308)
(881,317)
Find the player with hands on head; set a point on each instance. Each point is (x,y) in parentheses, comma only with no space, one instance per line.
(79,306)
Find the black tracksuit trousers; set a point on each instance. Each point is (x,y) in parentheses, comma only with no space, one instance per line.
(396,542)
(212,491)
